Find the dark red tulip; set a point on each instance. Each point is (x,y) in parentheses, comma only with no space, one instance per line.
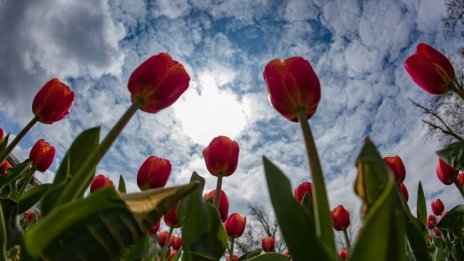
(154,229)
(430,69)
(404,191)
(2,134)
(162,238)
(53,102)
(268,244)
(223,203)
(396,165)
(460,179)
(30,216)
(176,242)
(305,187)
(431,221)
(437,232)
(340,218)
(343,254)
(292,84)
(99,182)
(170,218)
(235,225)
(4,167)
(153,173)
(221,156)
(42,155)
(445,173)
(158,82)
(437,207)
(235,257)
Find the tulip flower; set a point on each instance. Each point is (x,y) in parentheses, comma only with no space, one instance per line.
(430,69)
(172,254)
(221,156)
(4,167)
(437,207)
(445,173)
(2,135)
(305,187)
(437,232)
(235,225)
(340,218)
(292,84)
(460,180)
(404,191)
(170,218)
(268,244)
(176,242)
(234,257)
(42,155)
(153,173)
(162,238)
(53,102)
(396,165)
(99,182)
(157,83)
(223,205)
(343,254)
(30,215)
(431,221)
(154,229)
(286,253)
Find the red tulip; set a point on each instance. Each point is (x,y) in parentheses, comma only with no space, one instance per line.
(4,167)
(235,225)
(170,218)
(396,165)
(162,238)
(2,134)
(437,207)
(305,187)
(154,229)
(292,84)
(268,244)
(223,203)
(221,156)
(153,173)
(176,242)
(430,69)
(52,102)
(30,215)
(158,82)
(343,254)
(234,257)
(437,232)
(42,154)
(286,253)
(172,253)
(431,221)
(404,191)
(445,173)
(460,180)
(340,218)
(99,182)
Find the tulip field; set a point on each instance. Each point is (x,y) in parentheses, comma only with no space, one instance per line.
(83,216)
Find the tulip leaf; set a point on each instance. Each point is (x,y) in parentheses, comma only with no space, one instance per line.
(121,184)
(454,219)
(249,255)
(14,173)
(453,155)
(204,236)
(270,257)
(66,186)
(31,197)
(295,221)
(138,250)
(421,205)
(417,234)
(13,230)
(3,236)
(4,143)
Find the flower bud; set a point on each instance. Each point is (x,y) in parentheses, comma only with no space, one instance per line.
(223,202)
(396,165)
(268,244)
(176,242)
(99,182)
(158,82)
(340,218)
(445,173)
(235,225)
(305,187)
(234,257)
(30,216)
(4,167)
(153,173)
(154,229)
(2,135)
(53,102)
(221,156)
(42,155)
(343,254)
(431,221)
(437,207)
(292,84)
(172,254)
(430,69)
(404,191)
(437,232)
(170,218)
(162,238)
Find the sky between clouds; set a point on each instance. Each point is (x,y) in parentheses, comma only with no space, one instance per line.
(357,49)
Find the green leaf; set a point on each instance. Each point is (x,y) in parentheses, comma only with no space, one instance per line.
(3,237)
(421,205)
(66,186)
(417,235)
(270,257)
(10,216)
(203,234)
(295,221)
(122,184)
(31,197)
(453,155)
(454,219)
(249,255)
(14,173)
(138,250)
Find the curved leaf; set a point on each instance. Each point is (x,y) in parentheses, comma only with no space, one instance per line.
(453,154)
(121,184)
(270,257)
(454,219)
(249,255)
(14,173)
(421,206)
(31,197)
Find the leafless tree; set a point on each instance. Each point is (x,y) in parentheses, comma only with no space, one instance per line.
(453,23)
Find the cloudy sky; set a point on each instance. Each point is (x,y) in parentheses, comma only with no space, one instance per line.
(357,49)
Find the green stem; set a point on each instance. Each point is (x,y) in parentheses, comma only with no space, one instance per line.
(347,240)
(457,91)
(16,140)
(460,189)
(321,204)
(3,238)
(231,250)
(166,245)
(27,178)
(104,146)
(217,197)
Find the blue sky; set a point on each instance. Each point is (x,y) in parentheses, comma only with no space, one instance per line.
(357,49)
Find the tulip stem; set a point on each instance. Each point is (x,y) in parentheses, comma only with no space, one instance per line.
(231,250)
(459,188)
(347,240)
(457,91)
(27,178)
(166,244)
(217,196)
(16,140)
(321,204)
